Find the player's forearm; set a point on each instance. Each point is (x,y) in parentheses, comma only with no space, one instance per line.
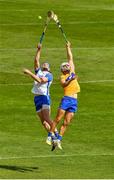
(68,80)
(66,83)
(37,57)
(33,76)
(69,54)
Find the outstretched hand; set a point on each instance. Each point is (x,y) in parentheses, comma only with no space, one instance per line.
(68,44)
(26,71)
(39,46)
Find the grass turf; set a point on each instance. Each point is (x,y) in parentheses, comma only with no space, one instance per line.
(88,150)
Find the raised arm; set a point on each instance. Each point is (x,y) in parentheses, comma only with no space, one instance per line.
(36,78)
(33,76)
(37,57)
(70,56)
(66,82)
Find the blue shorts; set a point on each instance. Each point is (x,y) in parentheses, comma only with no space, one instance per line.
(42,102)
(69,104)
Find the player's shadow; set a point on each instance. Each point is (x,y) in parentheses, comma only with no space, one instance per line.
(19,168)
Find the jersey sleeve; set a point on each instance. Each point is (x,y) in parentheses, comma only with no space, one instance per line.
(36,70)
(72,75)
(49,76)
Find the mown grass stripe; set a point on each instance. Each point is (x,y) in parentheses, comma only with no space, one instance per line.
(50,156)
(82,82)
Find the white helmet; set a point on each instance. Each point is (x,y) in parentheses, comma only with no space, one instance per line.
(65,66)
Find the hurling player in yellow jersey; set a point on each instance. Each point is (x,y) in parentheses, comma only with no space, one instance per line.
(68,105)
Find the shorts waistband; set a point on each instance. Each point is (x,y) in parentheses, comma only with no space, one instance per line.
(73,96)
(69,97)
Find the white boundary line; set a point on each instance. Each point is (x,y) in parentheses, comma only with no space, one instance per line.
(54,155)
(81,82)
(14,84)
(75,22)
(56,48)
(79,8)
(59,179)
(97,81)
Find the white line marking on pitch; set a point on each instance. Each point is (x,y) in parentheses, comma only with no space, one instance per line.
(73,22)
(56,48)
(80,8)
(98,81)
(49,156)
(81,82)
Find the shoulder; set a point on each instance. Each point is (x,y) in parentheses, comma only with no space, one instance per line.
(63,77)
(37,70)
(49,76)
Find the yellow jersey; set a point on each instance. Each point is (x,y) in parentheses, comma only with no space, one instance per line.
(72,88)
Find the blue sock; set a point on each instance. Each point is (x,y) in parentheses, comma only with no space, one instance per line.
(49,134)
(53,136)
(56,134)
(59,137)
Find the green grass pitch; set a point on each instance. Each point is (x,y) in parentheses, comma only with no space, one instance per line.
(88,145)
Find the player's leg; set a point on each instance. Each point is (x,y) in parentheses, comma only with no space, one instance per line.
(44,123)
(46,117)
(38,105)
(53,133)
(60,113)
(42,104)
(67,119)
(72,108)
(59,116)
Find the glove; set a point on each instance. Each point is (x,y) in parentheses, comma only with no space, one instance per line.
(70,77)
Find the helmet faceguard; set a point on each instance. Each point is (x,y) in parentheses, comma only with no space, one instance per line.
(65,67)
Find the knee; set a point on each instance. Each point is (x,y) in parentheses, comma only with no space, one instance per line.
(57,119)
(65,123)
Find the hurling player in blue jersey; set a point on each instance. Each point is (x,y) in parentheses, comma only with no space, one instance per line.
(42,81)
